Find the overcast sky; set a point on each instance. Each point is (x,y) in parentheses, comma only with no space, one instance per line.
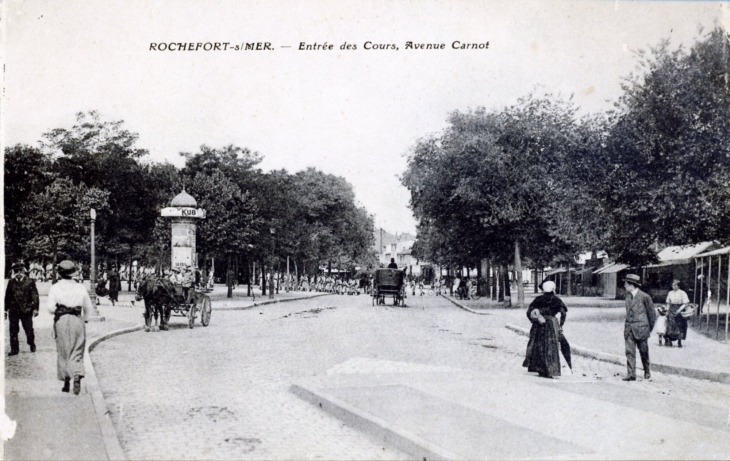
(350,113)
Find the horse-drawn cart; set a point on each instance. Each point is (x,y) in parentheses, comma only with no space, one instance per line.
(200,303)
(162,298)
(389,283)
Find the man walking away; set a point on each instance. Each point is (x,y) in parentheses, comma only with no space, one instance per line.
(21,305)
(640,319)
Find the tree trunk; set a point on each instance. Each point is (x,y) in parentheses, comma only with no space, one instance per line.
(518,276)
(488,279)
(569,277)
(536,284)
(499,284)
(329,268)
(507,298)
(129,269)
(55,261)
(248,277)
(235,271)
(263,280)
(229,279)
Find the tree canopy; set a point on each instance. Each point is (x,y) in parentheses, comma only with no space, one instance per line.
(536,179)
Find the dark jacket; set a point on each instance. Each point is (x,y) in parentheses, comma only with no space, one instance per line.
(22,296)
(640,316)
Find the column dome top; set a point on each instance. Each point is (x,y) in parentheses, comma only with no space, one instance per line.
(183,199)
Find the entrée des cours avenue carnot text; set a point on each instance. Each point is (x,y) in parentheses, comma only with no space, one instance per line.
(314,46)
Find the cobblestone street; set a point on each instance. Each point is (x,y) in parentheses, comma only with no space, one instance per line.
(222,392)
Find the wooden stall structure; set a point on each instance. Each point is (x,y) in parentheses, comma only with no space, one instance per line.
(608,280)
(712,292)
(675,262)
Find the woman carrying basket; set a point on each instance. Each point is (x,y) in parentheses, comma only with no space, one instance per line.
(676,324)
(70,304)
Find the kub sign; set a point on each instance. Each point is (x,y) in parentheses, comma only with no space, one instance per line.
(183,212)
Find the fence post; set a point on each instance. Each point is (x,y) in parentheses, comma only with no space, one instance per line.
(727,307)
(702,293)
(694,294)
(719,278)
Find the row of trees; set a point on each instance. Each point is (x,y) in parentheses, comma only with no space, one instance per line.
(310,217)
(536,182)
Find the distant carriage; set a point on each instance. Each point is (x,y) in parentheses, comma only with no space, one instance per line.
(389,283)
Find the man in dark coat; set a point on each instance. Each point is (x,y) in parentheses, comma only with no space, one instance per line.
(392,264)
(640,320)
(21,305)
(115,284)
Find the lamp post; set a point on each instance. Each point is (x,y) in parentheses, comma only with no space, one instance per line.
(271,269)
(94,315)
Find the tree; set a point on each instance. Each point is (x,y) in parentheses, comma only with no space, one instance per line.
(58,217)
(87,154)
(27,171)
(333,227)
(496,178)
(668,152)
(231,224)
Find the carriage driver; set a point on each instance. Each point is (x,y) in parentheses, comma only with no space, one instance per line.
(175,277)
(188,280)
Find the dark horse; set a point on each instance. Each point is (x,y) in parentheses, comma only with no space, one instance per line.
(157,299)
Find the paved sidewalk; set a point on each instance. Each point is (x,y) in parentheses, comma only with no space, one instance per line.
(597,332)
(450,413)
(499,412)
(61,426)
(52,424)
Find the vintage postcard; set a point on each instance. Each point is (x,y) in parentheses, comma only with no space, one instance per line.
(417,229)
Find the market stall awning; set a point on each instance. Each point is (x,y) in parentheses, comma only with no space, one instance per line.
(611,268)
(559,270)
(718,252)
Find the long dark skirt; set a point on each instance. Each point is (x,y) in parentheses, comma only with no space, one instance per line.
(543,348)
(676,324)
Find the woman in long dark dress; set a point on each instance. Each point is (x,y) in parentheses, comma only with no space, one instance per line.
(676,324)
(543,348)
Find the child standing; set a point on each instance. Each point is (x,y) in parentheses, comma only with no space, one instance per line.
(661,323)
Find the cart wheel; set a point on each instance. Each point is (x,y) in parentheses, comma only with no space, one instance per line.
(205,312)
(475,295)
(191,316)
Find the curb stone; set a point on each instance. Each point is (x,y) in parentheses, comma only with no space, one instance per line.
(718,377)
(460,305)
(109,435)
(381,429)
(275,301)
